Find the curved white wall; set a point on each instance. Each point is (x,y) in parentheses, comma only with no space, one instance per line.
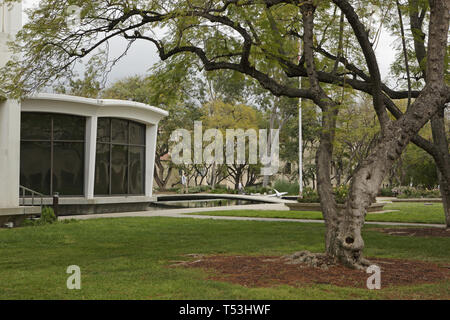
(86,107)
(92,109)
(10,23)
(9,153)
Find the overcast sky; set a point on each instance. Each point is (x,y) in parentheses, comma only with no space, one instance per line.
(143,55)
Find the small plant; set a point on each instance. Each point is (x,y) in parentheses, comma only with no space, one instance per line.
(309,196)
(341,193)
(47,217)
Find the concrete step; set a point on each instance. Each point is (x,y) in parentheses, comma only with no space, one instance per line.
(27,210)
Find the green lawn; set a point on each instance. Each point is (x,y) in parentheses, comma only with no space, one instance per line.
(127,258)
(408,212)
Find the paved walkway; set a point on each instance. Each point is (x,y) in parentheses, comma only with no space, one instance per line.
(182,213)
(205,196)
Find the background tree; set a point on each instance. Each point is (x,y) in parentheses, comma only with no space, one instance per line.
(356,132)
(88,87)
(277,112)
(170,90)
(222,116)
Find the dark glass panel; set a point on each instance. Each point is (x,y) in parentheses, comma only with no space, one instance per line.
(119,131)
(35,126)
(35,166)
(102,169)
(68,127)
(119,172)
(137,170)
(120,168)
(104,130)
(137,133)
(68,168)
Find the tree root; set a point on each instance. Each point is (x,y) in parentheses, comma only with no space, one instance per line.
(323,261)
(316,260)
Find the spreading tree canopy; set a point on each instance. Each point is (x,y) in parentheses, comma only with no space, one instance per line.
(259,38)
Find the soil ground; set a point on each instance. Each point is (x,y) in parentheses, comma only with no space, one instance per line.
(270,271)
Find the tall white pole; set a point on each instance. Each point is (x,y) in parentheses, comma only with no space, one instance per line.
(3,7)
(300,129)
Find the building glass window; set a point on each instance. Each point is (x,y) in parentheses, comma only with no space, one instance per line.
(52,153)
(120,160)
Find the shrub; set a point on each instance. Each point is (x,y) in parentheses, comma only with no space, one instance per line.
(311,195)
(434,193)
(387,192)
(405,192)
(173,189)
(197,189)
(341,193)
(221,189)
(258,189)
(47,216)
(286,186)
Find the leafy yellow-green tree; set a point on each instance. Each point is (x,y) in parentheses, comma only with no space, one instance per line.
(222,116)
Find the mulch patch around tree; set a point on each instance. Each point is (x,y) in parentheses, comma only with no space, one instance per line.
(270,271)
(416,232)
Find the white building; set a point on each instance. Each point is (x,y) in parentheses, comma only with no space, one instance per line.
(98,155)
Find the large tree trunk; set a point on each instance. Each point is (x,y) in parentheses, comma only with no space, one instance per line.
(439,150)
(442,160)
(213,176)
(344,240)
(444,184)
(323,165)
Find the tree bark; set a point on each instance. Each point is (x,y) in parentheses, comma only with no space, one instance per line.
(213,176)
(324,186)
(442,160)
(343,238)
(439,149)
(335,223)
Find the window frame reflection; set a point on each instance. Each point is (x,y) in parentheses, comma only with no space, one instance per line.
(68,138)
(114,146)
